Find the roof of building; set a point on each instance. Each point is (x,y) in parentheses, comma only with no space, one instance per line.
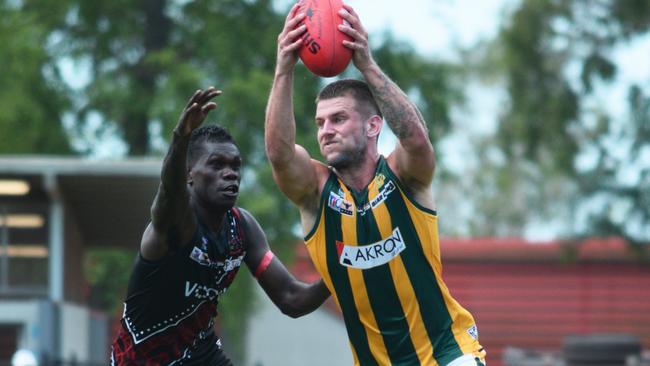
(110,199)
(519,250)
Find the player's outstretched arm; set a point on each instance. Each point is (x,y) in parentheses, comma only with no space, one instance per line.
(413,157)
(171,221)
(293,169)
(294,298)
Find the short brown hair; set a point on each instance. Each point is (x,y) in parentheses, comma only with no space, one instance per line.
(357,89)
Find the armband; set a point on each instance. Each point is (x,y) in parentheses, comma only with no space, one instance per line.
(264,263)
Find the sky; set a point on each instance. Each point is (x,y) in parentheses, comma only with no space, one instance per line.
(433,27)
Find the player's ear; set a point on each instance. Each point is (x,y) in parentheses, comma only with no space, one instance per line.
(373,126)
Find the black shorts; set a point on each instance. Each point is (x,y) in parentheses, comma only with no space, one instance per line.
(208,353)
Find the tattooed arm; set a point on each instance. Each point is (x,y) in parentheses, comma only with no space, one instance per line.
(413,158)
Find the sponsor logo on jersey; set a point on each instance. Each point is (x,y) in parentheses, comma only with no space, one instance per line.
(372,255)
(473,332)
(200,257)
(230,264)
(203,259)
(380,178)
(381,196)
(223,269)
(338,204)
(201,292)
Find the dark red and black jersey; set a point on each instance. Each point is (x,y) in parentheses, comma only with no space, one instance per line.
(171,304)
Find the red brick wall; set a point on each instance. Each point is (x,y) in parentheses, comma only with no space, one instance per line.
(532,295)
(535,305)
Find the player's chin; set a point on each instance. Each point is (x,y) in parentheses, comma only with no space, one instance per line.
(329,156)
(226,200)
(337,161)
(329,151)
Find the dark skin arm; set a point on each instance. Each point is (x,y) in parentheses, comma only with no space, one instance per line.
(293,297)
(171,218)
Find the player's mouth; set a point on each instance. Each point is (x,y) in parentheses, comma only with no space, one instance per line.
(328,143)
(231,190)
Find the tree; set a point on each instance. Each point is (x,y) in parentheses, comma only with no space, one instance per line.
(33,97)
(143,60)
(621,181)
(552,55)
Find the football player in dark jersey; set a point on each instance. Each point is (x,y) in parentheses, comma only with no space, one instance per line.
(191,251)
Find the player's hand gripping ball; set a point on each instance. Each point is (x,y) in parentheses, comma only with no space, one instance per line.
(322,50)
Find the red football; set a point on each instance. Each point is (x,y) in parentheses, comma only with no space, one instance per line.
(322,51)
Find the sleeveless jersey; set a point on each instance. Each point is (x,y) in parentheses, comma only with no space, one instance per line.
(171,304)
(379,255)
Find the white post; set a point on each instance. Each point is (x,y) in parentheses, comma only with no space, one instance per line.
(56,241)
(4,243)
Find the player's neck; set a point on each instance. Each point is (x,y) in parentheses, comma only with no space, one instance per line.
(209,216)
(359,176)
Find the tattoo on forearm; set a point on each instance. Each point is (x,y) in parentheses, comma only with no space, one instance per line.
(398,111)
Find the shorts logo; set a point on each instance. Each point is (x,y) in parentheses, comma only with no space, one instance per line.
(337,203)
(473,332)
(373,255)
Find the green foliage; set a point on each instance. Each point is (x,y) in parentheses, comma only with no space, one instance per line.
(626,210)
(235,308)
(107,272)
(434,86)
(542,103)
(551,56)
(33,98)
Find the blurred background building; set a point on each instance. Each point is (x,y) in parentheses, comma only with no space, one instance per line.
(52,210)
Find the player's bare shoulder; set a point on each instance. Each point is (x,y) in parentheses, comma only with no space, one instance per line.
(320,174)
(310,205)
(420,190)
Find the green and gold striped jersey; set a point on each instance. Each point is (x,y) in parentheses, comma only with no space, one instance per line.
(379,255)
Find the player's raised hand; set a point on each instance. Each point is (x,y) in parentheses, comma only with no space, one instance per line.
(196,110)
(362,58)
(289,40)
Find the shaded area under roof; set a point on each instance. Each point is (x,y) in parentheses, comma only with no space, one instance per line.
(110,200)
